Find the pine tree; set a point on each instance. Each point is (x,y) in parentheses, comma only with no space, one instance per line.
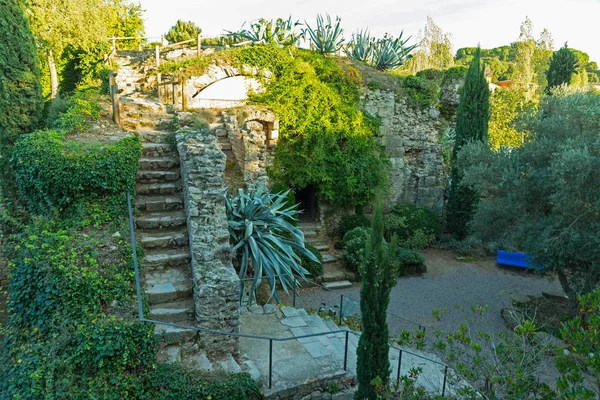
(563,65)
(378,280)
(471,124)
(20,90)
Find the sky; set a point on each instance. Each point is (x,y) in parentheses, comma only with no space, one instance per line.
(491,23)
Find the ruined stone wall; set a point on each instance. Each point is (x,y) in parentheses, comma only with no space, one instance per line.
(250,142)
(412,139)
(216,284)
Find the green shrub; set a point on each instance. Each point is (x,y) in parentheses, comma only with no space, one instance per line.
(425,92)
(51,177)
(171,381)
(431,74)
(55,108)
(315,269)
(354,243)
(83,108)
(417,218)
(419,240)
(349,222)
(454,73)
(393,224)
(410,262)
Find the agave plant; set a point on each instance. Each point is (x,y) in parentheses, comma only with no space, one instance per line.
(280,32)
(327,37)
(361,46)
(390,53)
(265,240)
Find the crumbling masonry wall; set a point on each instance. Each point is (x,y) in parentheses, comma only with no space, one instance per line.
(412,139)
(216,284)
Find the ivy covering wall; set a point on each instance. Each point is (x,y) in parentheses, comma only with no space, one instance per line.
(325,140)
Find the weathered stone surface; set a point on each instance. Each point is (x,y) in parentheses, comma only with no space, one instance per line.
(411,137)
(216,284)
(250,142)
(269,309)
(293,322)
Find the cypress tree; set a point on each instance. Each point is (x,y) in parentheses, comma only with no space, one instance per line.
(21,100)
(472,119)
(563,65)
(20,90)
(378,280)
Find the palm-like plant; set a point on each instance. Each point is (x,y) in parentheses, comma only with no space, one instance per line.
(327,37)
(361,46)
(390,53)
(259,228)
(280,32)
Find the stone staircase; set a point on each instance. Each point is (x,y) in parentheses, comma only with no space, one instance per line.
(334,274)
(161,224)
(131,71)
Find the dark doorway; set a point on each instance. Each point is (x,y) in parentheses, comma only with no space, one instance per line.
(307,198)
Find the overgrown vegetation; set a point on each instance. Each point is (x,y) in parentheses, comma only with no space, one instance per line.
(542,198)
(471,125)
(324,140)
(55,174)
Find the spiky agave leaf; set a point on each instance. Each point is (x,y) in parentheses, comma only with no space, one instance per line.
(260,232)
(361,46)
(390,53)
(327,37)
(280,31)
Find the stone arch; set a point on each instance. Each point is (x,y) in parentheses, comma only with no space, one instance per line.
(227,86)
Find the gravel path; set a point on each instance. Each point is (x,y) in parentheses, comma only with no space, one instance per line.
(448,283)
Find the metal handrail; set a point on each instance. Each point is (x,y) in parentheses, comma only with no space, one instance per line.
(271,339)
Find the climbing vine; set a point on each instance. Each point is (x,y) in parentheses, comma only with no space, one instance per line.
(325,140)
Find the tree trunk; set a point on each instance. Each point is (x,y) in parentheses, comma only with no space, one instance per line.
(53,76)
(562,278)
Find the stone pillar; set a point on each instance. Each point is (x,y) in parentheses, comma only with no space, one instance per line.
(216,284)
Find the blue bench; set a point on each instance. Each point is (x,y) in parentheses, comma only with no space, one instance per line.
(514,259)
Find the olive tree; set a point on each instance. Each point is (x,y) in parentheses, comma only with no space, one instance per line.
(544,198)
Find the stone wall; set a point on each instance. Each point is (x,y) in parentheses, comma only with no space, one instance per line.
(250,143)
(412,139)
(216,284)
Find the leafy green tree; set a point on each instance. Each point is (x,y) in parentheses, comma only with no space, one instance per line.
(542,198)
(20,90)
(471,125)
(378,280)
(183,31)
(506,107)
(126,20)
(435,49)
(57,25)
(563,65)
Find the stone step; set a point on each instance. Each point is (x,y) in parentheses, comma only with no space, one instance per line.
(335,274)
(173,312)
(322,247)
(140,124)
(161,258)
(157,176)
(159,203)
(164,239)
(150,116)
(216,125)
(150,149)
(133,104)
(338,284)
(158,188)
(310,226)
(328,258)
(172,335)
(168,286)
(161,220)
(154,136)
(158,163)
(225,146)
(309,234)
